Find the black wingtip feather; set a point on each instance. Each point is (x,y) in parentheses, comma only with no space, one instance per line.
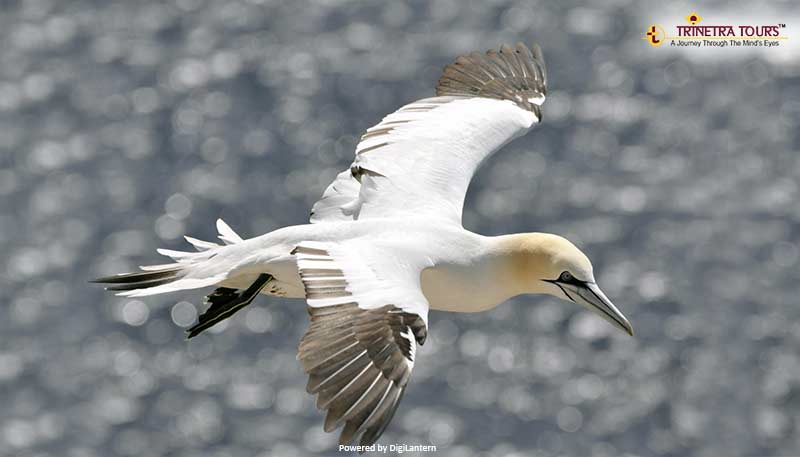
(137,277)
(138,280)
(225,302)
(142,284)
(379,349)
(516,74)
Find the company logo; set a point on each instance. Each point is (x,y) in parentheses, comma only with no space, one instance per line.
(724,35)
(655,35)
(693,18)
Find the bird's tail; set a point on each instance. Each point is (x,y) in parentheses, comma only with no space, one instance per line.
(190,270)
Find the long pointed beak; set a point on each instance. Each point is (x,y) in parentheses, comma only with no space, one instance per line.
(590,296)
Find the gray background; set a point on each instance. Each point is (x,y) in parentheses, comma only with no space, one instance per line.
(124,125)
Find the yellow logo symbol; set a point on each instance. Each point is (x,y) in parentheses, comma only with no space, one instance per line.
(655,35)
(693,18)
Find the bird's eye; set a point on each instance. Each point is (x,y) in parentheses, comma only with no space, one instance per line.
(565,277)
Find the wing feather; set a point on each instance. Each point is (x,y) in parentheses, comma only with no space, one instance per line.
(420,159)
(359,356)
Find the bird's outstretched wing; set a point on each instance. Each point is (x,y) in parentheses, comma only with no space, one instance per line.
(367,316)
(420,159)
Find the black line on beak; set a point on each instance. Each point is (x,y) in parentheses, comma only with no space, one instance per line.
(595,294)
(564,290)
(613,317)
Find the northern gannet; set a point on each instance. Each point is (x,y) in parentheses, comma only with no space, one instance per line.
(386,244)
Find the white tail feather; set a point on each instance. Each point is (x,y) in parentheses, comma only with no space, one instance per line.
(200,244)
(180,284)
(177,255)
(163,266)
(192,270)
(226,233)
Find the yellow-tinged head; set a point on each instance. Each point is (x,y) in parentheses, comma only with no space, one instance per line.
(551,264)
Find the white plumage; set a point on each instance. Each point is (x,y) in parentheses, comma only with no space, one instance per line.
(421,158)
(385,244)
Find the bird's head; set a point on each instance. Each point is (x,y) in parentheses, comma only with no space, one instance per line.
(551,264)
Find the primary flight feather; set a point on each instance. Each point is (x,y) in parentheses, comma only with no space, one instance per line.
(386,244)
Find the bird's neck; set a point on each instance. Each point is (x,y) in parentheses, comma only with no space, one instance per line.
(519,260)
(498,270)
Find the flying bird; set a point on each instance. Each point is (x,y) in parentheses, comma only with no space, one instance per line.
(385,244)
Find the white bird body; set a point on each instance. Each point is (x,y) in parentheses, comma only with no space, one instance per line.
(461,270)
(386,244)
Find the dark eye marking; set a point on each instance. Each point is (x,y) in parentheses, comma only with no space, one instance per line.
(568,278)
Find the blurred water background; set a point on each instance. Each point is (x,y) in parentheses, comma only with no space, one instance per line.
(124,125)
